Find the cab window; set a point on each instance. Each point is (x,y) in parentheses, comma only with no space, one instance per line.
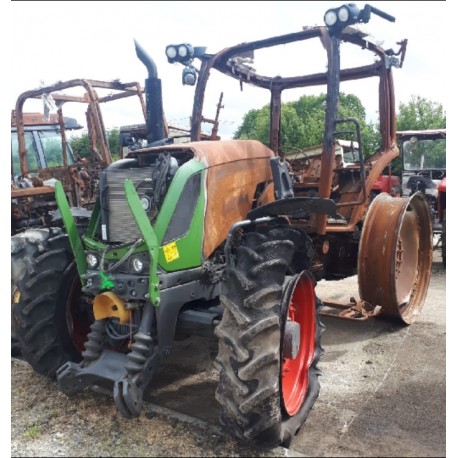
(51,142)
(32,153)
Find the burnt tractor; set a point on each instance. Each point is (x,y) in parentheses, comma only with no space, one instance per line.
(424,170)
(38,143)
(227,239)
(41,155)
(38,162)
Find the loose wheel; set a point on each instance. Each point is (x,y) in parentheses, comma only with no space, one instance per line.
(395,256)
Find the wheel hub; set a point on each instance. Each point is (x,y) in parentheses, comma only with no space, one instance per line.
(291,340)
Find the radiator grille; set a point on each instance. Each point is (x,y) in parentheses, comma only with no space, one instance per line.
(121,223)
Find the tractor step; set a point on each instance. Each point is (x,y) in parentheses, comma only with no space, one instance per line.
(200,322)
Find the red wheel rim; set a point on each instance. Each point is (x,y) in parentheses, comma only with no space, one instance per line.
(295,372)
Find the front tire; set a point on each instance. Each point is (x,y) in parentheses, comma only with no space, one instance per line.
(265,392)
(50,317)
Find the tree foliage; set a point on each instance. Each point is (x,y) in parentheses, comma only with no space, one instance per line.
(302,122)
(80,144)
(419,114)
(114,143)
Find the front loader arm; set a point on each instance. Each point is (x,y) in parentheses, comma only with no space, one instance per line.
(149,237)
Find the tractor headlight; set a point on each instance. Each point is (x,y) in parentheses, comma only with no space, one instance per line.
(343,14)
(92,260)
(338,18)
(171,51)
(146,203)
(179,53)
(185,51)
(330,18)
(138,265)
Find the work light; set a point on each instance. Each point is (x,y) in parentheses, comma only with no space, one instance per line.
(171,52)
(330,18)
(337,19)
(179,53)
(189,77)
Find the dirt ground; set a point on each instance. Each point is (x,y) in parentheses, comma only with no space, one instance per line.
(383,393)
(383,386)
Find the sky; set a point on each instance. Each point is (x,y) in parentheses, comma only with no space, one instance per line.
(66,40)
(50,41)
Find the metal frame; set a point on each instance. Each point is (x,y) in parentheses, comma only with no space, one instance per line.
(382,68)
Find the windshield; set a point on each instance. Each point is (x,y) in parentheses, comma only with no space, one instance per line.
(424,154)
(51,142)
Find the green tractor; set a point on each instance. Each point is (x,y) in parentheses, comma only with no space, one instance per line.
(227,239)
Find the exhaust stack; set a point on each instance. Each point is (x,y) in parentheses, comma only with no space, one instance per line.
(153,91)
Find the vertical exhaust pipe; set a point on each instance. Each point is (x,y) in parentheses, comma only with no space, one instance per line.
(153,91)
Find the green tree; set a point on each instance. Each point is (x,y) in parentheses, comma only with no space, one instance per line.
(302,122)
(114,144)
(420,113)
(247,128)
(80,144)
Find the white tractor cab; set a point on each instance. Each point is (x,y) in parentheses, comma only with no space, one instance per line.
(424,167)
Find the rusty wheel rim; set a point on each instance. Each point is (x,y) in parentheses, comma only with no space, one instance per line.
(395,256)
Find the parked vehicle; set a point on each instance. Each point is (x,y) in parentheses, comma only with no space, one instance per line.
(390,184)
(424,170)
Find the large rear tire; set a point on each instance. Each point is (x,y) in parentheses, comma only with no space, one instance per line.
(50,316)
(266,388)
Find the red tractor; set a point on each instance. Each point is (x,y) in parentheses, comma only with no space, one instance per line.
(390,184)
(441,213)
(424,170)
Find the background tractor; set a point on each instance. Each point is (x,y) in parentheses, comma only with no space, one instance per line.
(37,162)
(38,142)
(227,239)
(424,170)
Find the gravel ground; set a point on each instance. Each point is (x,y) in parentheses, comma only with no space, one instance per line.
(88,424)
